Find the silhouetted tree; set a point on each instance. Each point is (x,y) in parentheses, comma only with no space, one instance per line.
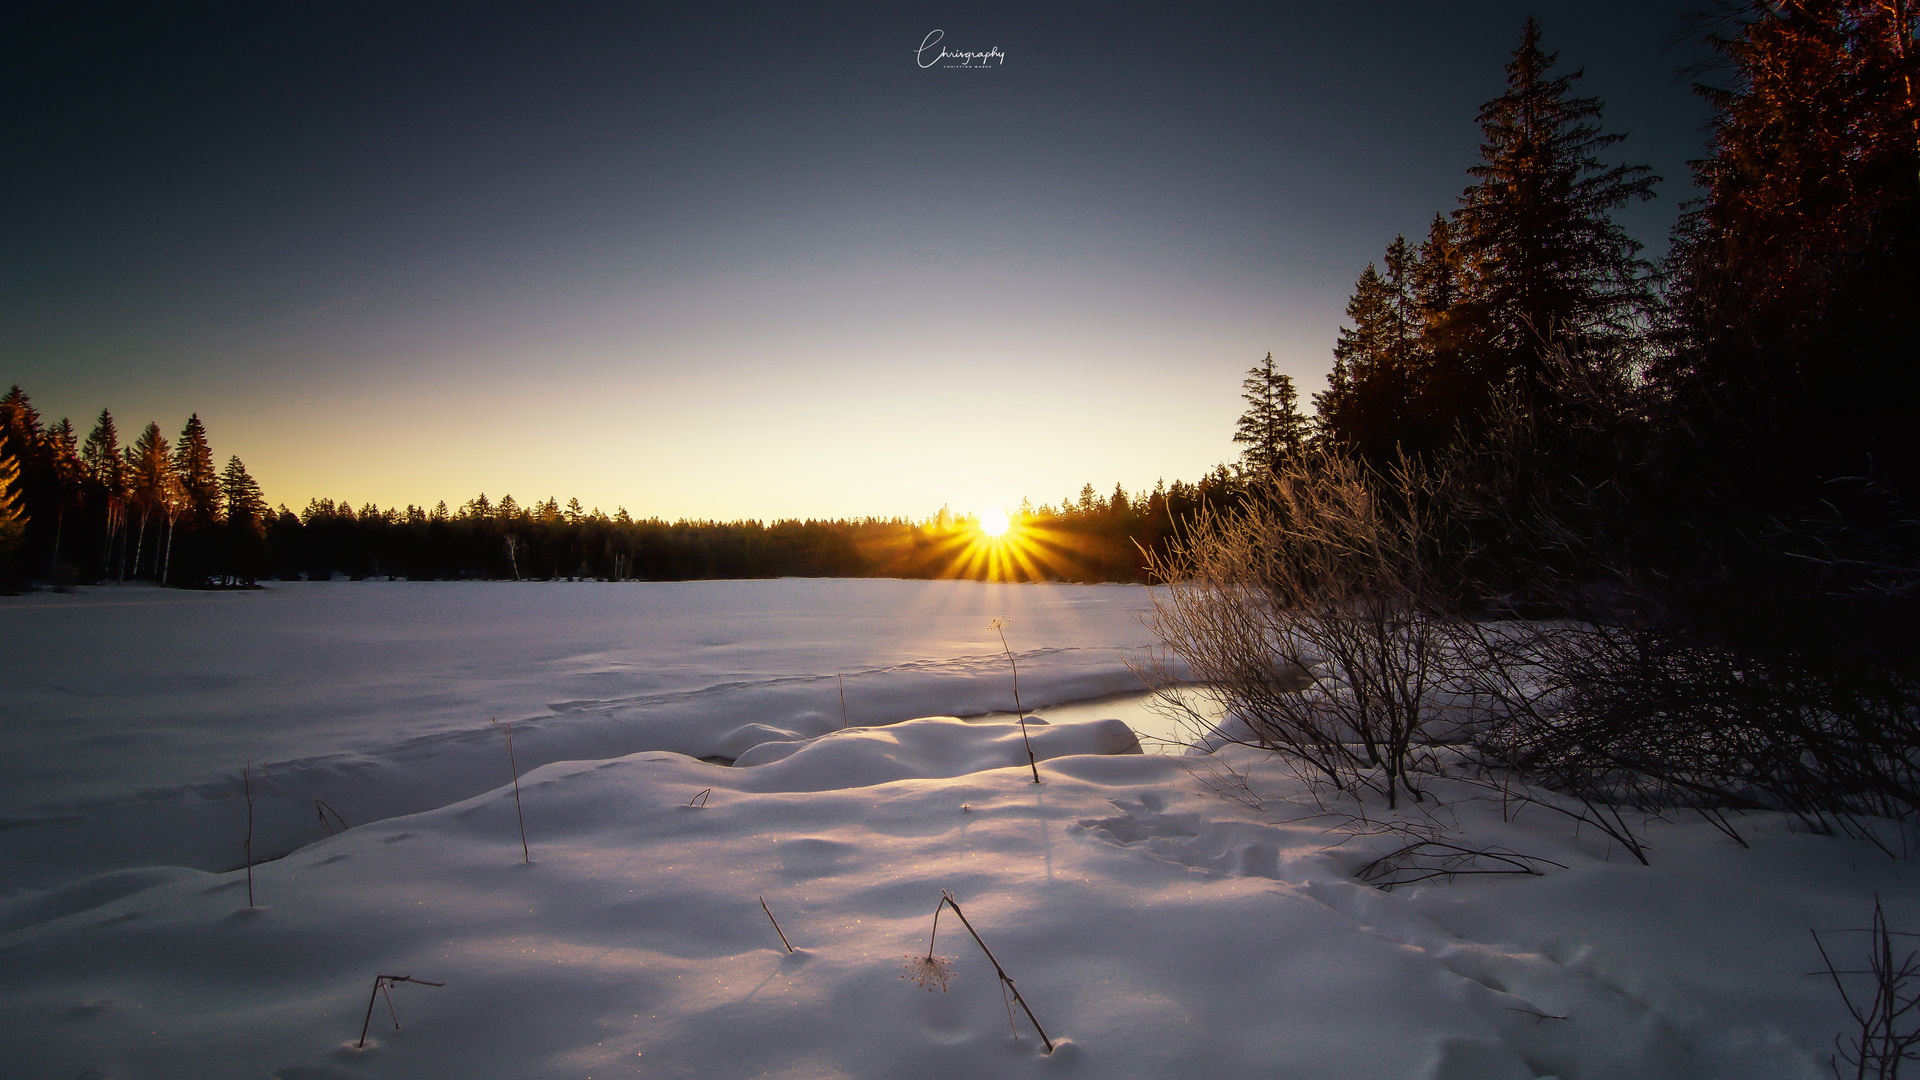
(193,464)
(69,483)
(152,486)
(1546,258)
(106,470)
(1369,404)
(12,512)
(246,511)
(1795,319)
(1272,428)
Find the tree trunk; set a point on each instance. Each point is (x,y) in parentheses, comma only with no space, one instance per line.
(139,546)
(167,562)
(53,563)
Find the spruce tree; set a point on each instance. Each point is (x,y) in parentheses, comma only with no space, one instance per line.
(246,512)
(13,517)
(20,421)
(193,464)
(68,480)
(1548,262)
(1369,404)
(34,490)
(245,505)
(152,486)
(100,454)
(107,475)
(1272,428)
(1794,282)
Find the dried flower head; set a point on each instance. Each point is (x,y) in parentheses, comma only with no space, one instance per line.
(928,972)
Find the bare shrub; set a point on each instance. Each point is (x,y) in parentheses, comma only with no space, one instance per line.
(1312,616)
(1669,642)
(1887,1013)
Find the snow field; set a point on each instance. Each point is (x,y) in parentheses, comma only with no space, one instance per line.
(1157,930)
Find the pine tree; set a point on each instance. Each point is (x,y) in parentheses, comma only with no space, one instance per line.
(20,421)
(1369,404)
(1272,428)
(107,473)
(246,512)
(1794,281)
(33,490)
(68,480)
(1438,274)
(245,505)
(100,454)
(1547,260)
(193,464)
(152,486)
(13,516)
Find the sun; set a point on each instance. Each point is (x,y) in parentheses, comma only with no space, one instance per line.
(995,522)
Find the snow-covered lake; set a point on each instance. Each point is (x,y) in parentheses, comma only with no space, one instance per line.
(1158,930)
(127,705)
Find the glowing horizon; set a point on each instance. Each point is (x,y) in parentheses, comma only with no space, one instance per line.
(746,277)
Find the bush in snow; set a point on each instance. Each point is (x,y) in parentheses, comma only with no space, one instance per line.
(1313,616)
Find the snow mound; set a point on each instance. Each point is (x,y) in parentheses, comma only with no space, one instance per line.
(931,747)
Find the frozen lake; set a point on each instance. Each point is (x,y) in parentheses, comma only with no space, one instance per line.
(611,923)
(128,705)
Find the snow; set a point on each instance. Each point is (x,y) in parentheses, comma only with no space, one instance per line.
(1156,930)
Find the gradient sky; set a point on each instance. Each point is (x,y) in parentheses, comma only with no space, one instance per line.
(744,261)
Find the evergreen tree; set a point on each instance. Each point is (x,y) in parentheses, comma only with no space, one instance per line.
(1547,259)
(246,513)
(193,464)
(1272,428)
(107,474)
(1438,275)
(13,516)
(100,455)
(153,489)
(1369,404)
(69,480)
(20,421)
(245,504)
(34,490)
(1795,280)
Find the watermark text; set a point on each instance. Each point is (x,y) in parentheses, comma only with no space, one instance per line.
(931,54)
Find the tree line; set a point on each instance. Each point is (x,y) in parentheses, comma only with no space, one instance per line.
(1777,340)
(1733,423)
(1689,423)
(1659,522)
(92,510)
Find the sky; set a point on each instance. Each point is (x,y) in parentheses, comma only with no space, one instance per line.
(741,261)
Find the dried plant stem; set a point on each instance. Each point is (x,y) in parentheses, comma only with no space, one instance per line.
(1888,1017)
(1000,626)
(381,983)
(776,924)
(321,809)
(700,798)
(843,699)
(246,783)
(526,855)
(946,898)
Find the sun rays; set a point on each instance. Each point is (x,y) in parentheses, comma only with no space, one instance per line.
(997,547)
